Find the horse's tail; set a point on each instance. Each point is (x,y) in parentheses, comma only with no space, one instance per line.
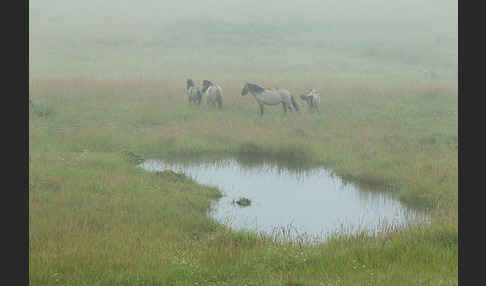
(294,103)
(197,96)
(219,97)
(189,94)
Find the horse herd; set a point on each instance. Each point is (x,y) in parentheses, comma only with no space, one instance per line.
(263,96)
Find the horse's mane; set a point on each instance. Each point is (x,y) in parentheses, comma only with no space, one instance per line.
(190,83)
(254,87)
(206,85)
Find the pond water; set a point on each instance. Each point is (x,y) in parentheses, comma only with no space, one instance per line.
(295,203)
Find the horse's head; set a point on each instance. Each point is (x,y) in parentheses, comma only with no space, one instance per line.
(309,95)
(206,84)
(245,90)
(189,83)
(312,91)
(251,87)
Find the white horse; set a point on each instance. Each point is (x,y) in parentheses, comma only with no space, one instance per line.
(214,93)
(313,99)
(193,93)
(271,96)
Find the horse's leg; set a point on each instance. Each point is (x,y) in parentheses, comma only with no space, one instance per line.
(261,109)
(284,107)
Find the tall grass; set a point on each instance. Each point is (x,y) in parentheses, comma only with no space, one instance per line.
(97,219)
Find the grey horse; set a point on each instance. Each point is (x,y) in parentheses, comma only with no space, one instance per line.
(313,100)
(194,93)
(272,96)
(214,93)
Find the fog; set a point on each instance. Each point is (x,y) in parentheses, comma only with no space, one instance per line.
(250,39)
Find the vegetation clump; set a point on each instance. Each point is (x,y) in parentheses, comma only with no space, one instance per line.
(242,202)
(172,176)
(250,148)
(41,110)
(133,158)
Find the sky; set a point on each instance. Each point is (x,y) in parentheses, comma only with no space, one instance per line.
(358,38)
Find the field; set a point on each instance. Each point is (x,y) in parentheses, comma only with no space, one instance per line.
(97,218)
(104,84)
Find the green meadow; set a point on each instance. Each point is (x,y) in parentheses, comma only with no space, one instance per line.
(108,80)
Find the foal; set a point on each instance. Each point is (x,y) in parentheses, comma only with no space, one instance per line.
(313,99)
(193,93)
(214,93)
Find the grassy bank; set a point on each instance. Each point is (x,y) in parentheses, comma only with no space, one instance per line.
(97,219)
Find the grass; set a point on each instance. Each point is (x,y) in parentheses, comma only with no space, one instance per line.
(95,218)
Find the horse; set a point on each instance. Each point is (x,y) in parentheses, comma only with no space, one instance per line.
(194,93)
(214,93)
(273,96)
(313,99)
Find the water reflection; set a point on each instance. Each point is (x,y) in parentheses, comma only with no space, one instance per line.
(302,199)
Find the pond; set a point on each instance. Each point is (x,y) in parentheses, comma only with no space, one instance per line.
(290,202)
